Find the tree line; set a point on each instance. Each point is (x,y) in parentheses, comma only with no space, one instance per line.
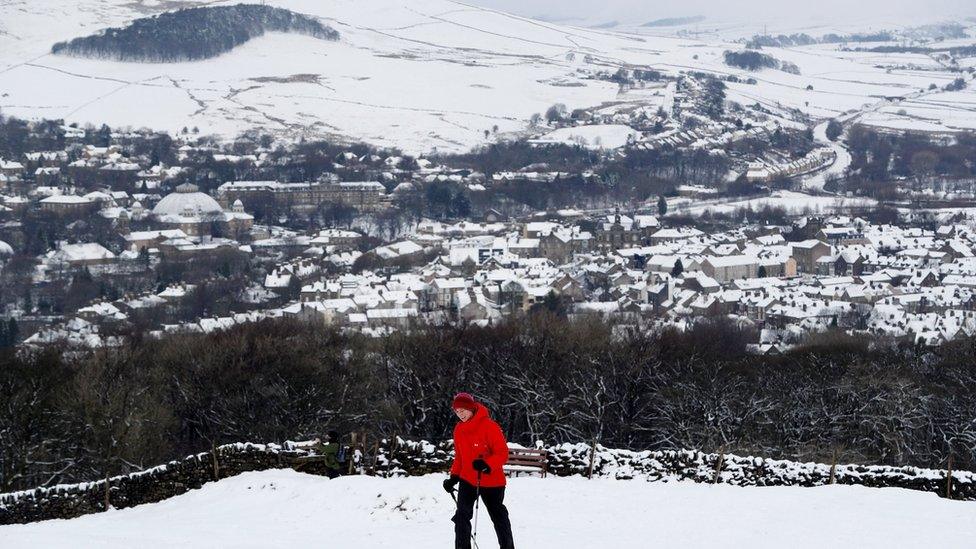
(192,33)
(752,60)
(878,157)
(802,39)
(70,415)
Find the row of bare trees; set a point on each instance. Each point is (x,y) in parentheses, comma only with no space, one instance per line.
(69,415)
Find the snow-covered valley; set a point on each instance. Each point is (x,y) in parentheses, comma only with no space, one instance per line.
(423,75)
(282,508)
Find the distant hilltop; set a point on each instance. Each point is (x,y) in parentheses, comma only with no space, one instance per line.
(674,21)
(192,34)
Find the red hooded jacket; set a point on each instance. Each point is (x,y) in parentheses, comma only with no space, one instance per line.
(480,437)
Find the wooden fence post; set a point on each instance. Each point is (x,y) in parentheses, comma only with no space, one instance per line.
(108,488)
(589,473)
(376,456)
(216,465)
(362,461)
(718,464)
(352,452)
(949,477)
(833,466)
(362,444)
(393,447)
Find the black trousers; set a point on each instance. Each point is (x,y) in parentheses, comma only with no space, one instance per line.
(493,499)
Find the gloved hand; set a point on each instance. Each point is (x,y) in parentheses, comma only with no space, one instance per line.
(450,483)
(481,466)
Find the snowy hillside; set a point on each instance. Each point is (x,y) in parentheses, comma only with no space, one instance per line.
(282,508)
(422,74)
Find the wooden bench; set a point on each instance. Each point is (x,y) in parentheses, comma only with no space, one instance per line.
(527,460)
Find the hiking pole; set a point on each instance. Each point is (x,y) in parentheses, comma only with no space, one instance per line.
(477,507)
(475,541)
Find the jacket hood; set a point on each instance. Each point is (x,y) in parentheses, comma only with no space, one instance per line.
(480,414)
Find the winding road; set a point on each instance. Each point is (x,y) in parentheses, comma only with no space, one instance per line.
(816,181)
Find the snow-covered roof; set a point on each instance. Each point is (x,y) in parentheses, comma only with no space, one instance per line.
(187,199)
(731,260)
(66,199)
(398,249)
(81,252)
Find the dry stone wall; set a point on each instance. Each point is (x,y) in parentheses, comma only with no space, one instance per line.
(410,458)
(152,485)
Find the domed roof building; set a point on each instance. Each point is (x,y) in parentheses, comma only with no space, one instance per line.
(197,213)
(187,201)
(137,212)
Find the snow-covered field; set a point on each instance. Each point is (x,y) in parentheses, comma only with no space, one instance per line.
(935,112)
(282,508)
(795,203)
(604,136)
(420,74)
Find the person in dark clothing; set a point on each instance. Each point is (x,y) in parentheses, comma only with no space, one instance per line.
(494,502)
(329,450)
(480,453)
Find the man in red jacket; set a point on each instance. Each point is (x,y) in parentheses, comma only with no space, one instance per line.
(480,452)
